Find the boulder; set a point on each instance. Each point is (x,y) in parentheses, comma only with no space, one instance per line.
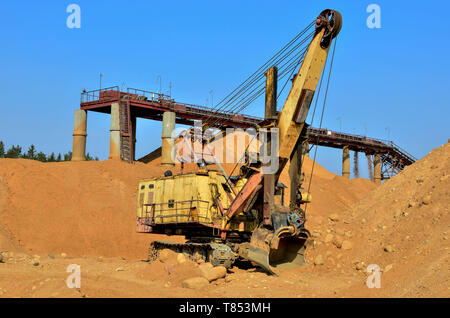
(426,200)
(334,217)
(359,265)
(338,240)
(167,255)
(212,273)
(221,271)
(195,283)
(346,245)
(388,268)
(328,238)
(181,258)
(319,260)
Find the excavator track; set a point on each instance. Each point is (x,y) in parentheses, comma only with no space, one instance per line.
(215,253)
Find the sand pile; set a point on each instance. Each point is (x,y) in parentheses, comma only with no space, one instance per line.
(85,208)
(402,226)
(88,208)
(6,243)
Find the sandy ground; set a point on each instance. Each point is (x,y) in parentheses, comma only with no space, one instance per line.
(56,214)
(116,277)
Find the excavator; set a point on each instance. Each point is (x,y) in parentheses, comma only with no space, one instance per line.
(229,218)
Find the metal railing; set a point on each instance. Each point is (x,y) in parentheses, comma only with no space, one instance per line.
(102,93)
(330,133)
(143,95)
(114,93)
(177,210)
(389,145)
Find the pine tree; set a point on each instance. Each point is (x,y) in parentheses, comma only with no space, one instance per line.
(41,157)
(68,156)
(2,149)
(31,153)
(51,158)
(14,152)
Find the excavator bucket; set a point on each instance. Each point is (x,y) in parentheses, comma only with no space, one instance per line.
(289,254)
(259,248)
(260,257)
(273,253)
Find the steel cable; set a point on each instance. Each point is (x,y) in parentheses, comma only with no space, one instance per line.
(237,95)
(257,89)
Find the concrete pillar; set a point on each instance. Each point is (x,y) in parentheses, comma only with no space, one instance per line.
(377,169)
(168,127)
(114,137)
(346,162)
(79,135)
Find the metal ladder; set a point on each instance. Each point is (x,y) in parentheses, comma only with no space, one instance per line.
(126,132)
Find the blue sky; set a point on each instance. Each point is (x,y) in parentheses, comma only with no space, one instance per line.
(393,80)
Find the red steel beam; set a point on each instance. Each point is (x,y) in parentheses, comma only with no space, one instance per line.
(144,105)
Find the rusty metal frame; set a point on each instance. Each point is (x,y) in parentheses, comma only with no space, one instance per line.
(392,156)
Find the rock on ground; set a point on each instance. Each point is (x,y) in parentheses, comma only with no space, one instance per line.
(167,255)
(334,217)
(346,245)
(319,260)
(212,273)
(181,258)
(195,283)
(338,240)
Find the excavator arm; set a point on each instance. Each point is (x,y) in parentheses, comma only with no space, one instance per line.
(283,239)
(291,120)
(295,110)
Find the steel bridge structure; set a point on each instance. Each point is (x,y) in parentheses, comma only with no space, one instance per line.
(135,103)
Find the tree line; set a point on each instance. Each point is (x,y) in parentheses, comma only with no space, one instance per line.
(33,154)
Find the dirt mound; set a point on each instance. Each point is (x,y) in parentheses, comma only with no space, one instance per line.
(7,242)
(79,208)
(402,226)
(88,208)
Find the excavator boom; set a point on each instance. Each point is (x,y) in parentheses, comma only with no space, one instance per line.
(281,241)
